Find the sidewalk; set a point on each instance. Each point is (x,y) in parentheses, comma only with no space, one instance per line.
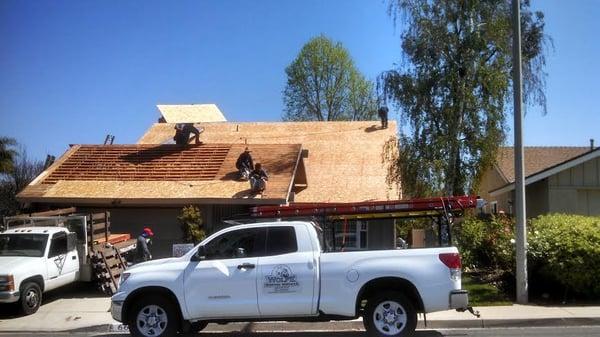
(91,314)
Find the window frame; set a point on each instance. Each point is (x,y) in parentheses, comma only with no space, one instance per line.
(261,232)
(295,239)
(55,236)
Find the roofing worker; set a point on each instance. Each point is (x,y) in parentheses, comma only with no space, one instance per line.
(244,164)
(183,131)
(142,253)
(258,179)
(383,114)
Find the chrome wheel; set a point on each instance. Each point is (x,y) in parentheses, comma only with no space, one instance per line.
(390,318)
(152,320)
(31,298)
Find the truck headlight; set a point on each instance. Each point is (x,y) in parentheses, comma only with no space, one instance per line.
(123,278)
(7,283)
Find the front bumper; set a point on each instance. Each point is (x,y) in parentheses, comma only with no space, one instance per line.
(116,310)
(9,296)
(459,299)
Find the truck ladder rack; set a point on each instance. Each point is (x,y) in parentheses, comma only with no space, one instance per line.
(370,209)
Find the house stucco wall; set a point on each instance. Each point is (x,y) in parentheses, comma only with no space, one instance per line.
(576,190)
(492,180)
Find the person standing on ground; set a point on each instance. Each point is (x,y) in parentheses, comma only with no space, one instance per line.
(258,179)
(244,164)
(383,114)
(183,131)
(142,253)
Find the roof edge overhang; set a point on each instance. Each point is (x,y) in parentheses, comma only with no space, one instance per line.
(549,171)
(142,202)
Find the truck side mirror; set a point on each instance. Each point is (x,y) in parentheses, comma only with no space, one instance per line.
(71,241)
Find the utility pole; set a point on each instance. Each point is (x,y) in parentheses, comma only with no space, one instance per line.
(521,230)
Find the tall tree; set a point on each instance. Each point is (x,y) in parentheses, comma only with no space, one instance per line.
(454,86)
(7,154)
(324,85)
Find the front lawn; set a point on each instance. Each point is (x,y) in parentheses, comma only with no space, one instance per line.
(483,294)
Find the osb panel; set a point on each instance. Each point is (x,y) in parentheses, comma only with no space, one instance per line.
(191,113)
(344,162)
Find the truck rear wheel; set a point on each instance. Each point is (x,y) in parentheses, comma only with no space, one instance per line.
(31,298)
(153,316)
(390,314)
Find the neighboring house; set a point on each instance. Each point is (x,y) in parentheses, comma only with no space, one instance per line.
(147,184)
(557,179)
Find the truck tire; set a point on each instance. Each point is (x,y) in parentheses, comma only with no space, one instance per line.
(30,298)
(390,314)
(153,316)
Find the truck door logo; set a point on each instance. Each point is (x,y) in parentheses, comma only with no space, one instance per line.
(59,261)
(281,280)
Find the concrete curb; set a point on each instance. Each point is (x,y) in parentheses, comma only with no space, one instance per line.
(355,325)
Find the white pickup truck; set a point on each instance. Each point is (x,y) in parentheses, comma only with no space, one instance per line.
(34,260)
(281,271)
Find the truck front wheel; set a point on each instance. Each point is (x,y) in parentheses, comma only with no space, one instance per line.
(153,316)
(390,314)
(31,298)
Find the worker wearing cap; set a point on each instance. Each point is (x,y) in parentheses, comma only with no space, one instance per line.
(244,164)
(142,252)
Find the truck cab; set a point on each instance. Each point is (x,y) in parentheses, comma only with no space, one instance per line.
(34,260)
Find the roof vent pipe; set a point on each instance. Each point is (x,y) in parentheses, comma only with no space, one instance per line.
(591,144)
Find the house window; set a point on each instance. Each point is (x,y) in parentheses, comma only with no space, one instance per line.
(494,207)
(351,236)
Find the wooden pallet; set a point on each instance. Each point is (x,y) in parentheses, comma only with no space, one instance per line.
(108,265)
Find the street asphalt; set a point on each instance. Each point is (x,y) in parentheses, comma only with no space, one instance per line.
(79,310)
(583,331)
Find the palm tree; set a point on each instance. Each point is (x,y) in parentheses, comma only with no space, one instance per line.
(7,154)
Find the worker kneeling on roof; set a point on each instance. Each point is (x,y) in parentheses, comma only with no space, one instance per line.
(183,131)
(258,179)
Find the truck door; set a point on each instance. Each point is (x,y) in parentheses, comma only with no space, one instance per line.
(62,263)
(223,284)
(287,283)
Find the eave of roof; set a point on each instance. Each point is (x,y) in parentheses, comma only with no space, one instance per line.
(550,171)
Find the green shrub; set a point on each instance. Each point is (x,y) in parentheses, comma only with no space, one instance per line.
(566,249)
(486,243)
(191,224)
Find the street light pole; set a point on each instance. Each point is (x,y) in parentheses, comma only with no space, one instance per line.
(521,230)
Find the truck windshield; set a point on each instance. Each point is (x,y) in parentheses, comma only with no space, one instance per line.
(32,245)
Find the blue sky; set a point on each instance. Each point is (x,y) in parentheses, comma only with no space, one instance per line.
(73,71)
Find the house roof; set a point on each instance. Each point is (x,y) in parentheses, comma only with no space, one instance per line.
(537,158)
(342,161)
(162,174)
(191,113)
(579,155)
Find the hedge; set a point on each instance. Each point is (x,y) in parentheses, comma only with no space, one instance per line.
(563,249)
(566,248)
